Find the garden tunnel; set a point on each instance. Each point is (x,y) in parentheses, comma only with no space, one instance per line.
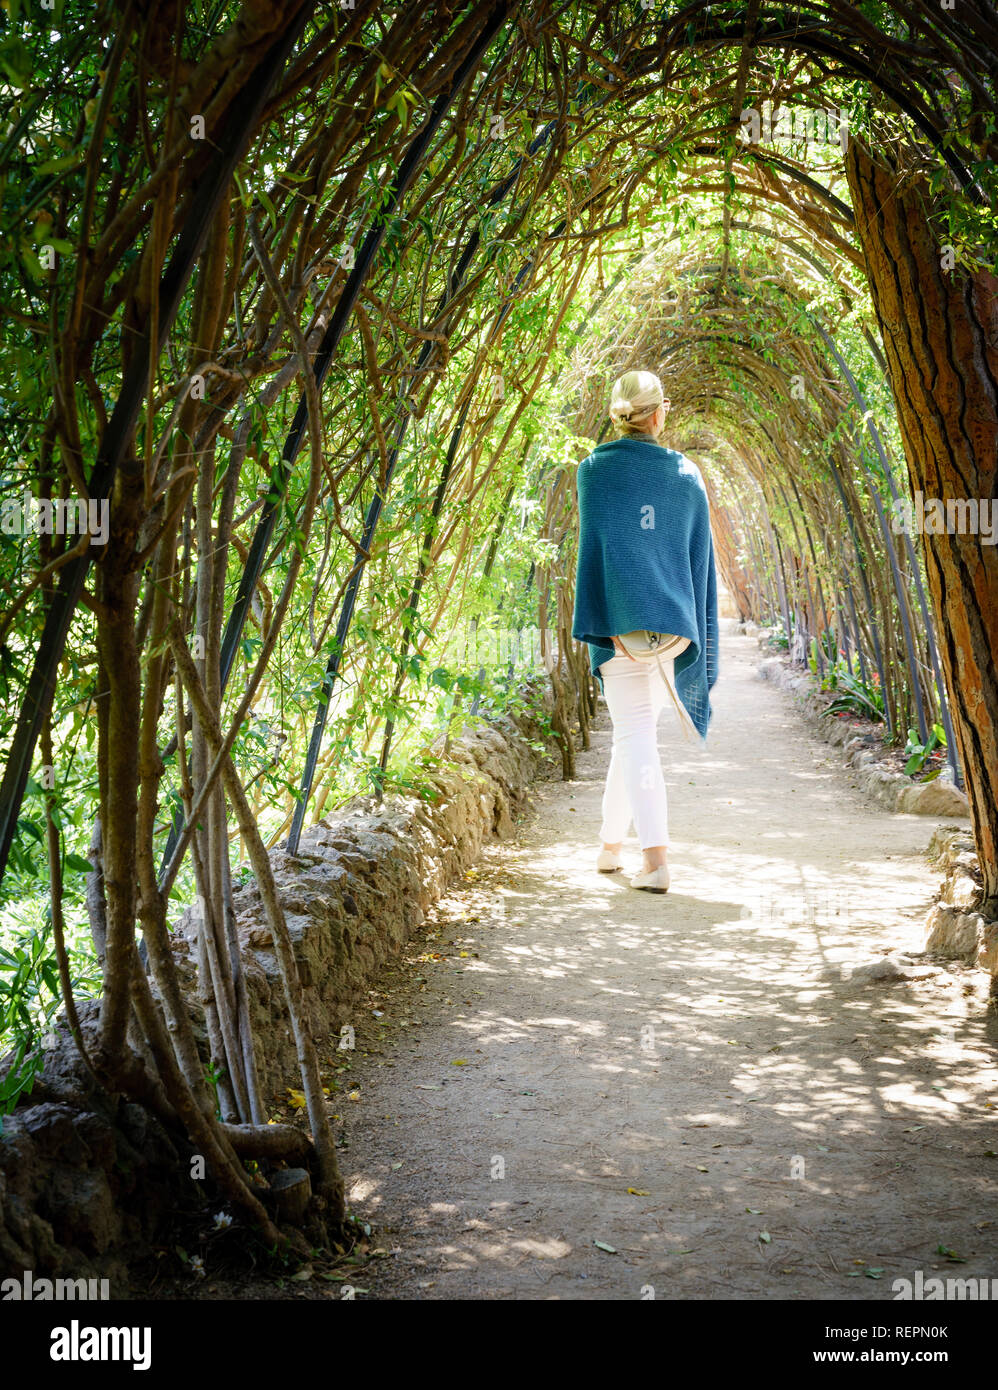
(325,302)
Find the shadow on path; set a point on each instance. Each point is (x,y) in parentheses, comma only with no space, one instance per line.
(682,1078)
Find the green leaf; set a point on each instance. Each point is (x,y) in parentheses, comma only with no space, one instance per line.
(61,163)
(15,61)
(268,207)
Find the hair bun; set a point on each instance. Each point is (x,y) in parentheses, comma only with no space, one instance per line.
(635,397)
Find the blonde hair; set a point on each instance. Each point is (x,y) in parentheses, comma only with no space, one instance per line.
(634,400)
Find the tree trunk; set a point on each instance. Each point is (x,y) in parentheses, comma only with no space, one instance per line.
(939,331)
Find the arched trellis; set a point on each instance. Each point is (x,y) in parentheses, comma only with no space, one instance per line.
(634,62)
(236,131)
(810,39)
(913,667)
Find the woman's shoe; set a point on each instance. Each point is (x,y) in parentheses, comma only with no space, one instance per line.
(655,882)
(607,862)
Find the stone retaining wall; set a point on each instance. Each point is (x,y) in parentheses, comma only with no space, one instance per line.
(89,1180)
(362,882)
(954,926)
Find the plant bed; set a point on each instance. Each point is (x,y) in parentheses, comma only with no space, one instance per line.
(880,769)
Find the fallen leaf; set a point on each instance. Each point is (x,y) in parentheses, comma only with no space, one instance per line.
(459,1062)
(765,1237)
(601,1245)
(638,1192)
(303,1274)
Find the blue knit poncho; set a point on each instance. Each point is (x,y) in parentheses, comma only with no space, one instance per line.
(646,560)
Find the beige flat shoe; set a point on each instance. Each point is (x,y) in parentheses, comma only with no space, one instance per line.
(655,882)
(607,862)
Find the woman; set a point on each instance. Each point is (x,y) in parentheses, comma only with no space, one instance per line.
(646,561)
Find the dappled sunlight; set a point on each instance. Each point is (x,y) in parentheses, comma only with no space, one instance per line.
(366,372)
(675,1063)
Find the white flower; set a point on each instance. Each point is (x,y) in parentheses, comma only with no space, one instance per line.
(222,1219)
(197,1265)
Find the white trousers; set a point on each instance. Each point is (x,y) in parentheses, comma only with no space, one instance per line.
(635,788)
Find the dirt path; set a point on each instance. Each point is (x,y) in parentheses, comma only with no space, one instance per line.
(783,1130)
